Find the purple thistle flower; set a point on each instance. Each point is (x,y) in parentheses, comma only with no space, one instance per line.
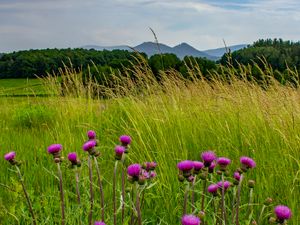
(208,157)
(153,174)
(211,167)
(54,148)
(283,212)
(190,220)
(185,165)
(226,184)
(191,178)
(134,170)
(223,161)
(10,156)
(237,176)
(72,156)
(99,223)
(149,165)
(247,162)
(213,188)
(89,145)
(125,140)
(91,134)
(198,165)
(119,150)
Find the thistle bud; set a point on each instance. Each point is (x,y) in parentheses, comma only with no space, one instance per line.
(251,183)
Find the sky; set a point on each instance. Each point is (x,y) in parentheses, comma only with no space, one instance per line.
(35,24)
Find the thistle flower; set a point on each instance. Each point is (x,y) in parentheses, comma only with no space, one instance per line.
(149,166)
(186,167)
(119,150)
(211,167)
(282,213)
(54,148)
(134,171)
(223,163)
(226,184)
(10,156)
(72,157)
(208,157)
(91,134)
(190,220)
(191,178)
(247,163)
(99,223)
(237,176)
(213,189)
(198,166)
(153,174)
(125,140)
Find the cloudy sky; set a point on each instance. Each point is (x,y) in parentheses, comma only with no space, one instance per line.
(26,24)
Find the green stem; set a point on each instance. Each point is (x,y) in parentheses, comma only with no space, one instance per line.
(223,201)
(186,192)
(100,188)
(62,198)
(203,194)
(77,186)
(238,200)
(91,190)
(138,206)
(114,192)
(26,195)
(261,214)
(123,188)
(193,193)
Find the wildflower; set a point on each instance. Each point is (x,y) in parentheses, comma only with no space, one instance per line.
(125,140)
(237,176)
(247,163)
(10,157)
(72,156)
(153,174)
(119,150)
(223,163)
(213,189)
(208,157)
(149,166)
(198,166)
(190,220)
(191,178)
(186,167)
(91,135)
(89,147)
(55,150)
(282,213)
(211,167)
(99,223)
(226,184)
(134,171)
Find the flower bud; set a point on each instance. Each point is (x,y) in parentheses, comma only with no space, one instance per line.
(268,201)
(251,183)
(180,177)
(272,220)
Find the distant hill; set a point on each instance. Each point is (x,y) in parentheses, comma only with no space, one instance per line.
(219,52)
(152,48)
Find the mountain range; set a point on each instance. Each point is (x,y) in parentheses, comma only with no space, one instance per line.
(181,50)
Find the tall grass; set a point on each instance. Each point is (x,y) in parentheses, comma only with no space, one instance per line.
(169,120)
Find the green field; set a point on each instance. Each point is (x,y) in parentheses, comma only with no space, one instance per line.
(169,124)
(22,87)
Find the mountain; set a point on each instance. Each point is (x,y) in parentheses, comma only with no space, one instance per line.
(108,48)
(219,52)
(181,50)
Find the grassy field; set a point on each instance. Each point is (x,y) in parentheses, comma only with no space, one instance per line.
(22,87)
(172,123)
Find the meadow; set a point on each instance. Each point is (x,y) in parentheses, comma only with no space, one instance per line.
(168,122)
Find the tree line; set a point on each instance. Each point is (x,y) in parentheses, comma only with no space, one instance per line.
(280,55)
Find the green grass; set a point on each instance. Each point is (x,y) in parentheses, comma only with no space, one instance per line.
(22,87)
(175,123)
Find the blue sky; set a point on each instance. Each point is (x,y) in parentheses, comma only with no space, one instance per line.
(26,24)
